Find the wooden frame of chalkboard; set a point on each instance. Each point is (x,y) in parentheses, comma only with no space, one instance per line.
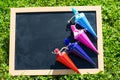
(14,11)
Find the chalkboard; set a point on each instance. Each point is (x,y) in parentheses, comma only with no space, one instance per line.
(36,32)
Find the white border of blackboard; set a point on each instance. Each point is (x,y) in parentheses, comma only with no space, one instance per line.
(14,72)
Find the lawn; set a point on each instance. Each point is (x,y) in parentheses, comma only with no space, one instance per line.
(111,37)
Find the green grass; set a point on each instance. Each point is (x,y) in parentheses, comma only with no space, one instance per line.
(111,37)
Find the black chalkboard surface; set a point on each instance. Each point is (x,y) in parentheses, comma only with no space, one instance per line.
(37,34)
